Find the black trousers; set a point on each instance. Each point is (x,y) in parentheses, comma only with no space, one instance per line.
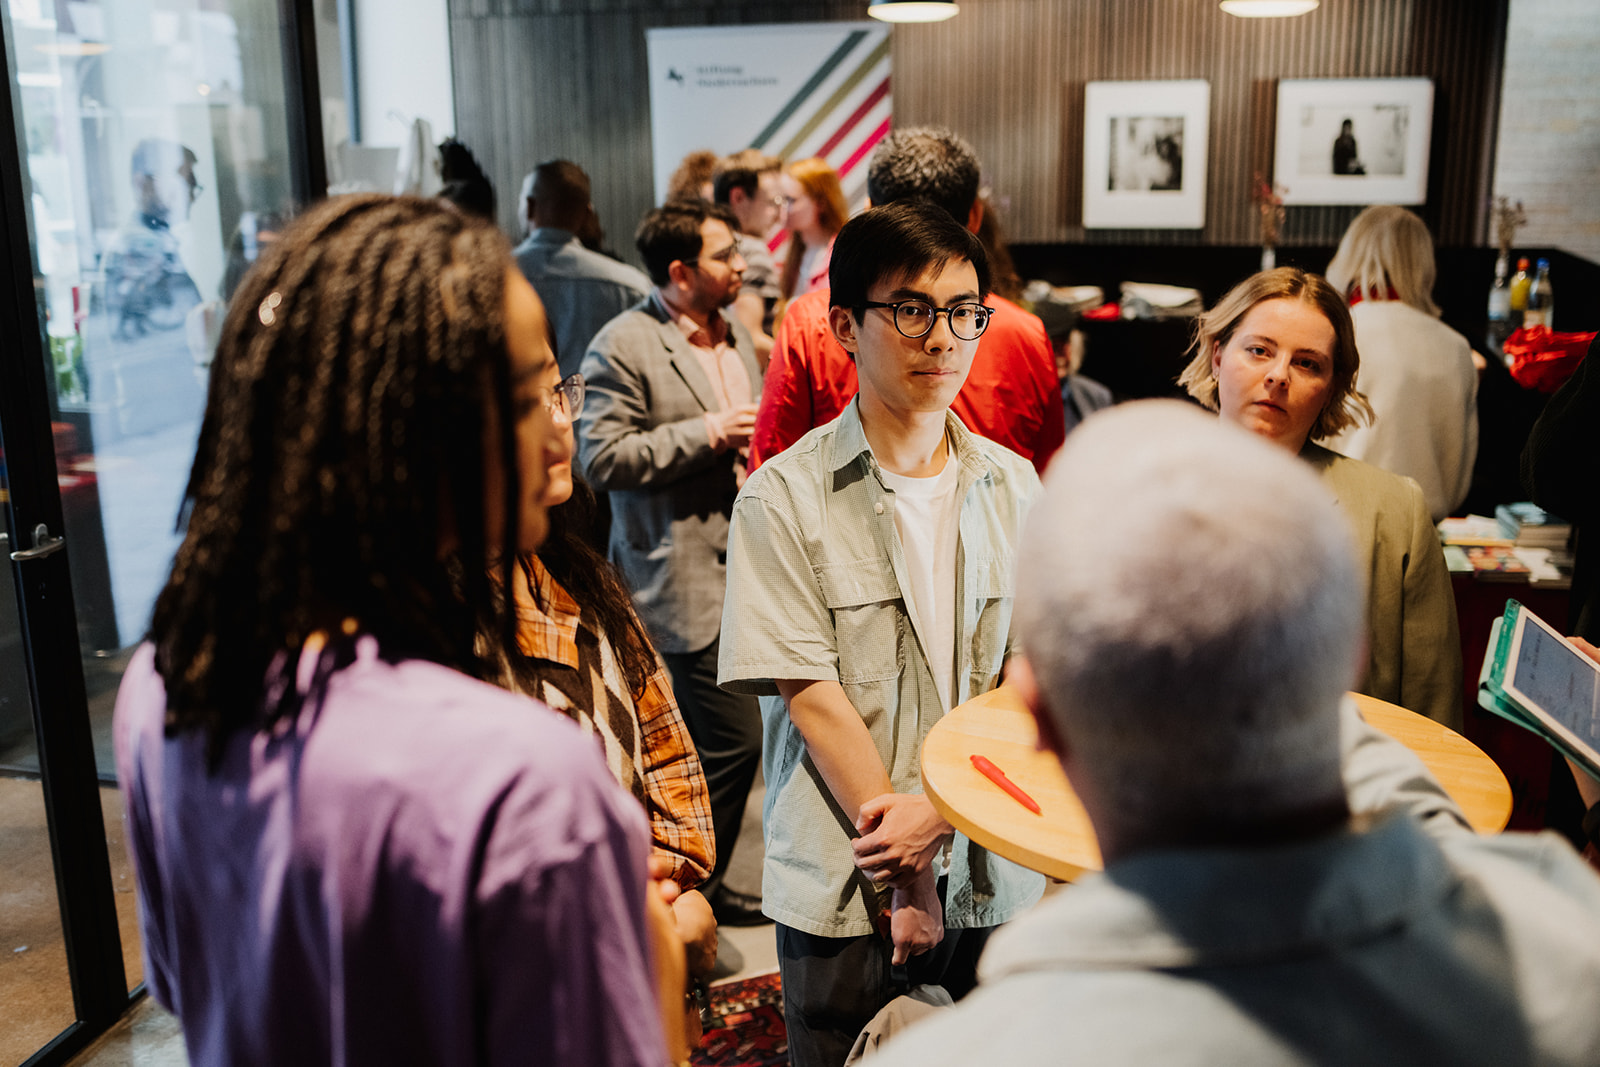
(833,986)
(726,728)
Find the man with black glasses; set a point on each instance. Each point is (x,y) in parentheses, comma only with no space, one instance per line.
(1012,394)
(666,431)
(870,583)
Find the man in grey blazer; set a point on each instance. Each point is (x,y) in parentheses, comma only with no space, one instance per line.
(672,384)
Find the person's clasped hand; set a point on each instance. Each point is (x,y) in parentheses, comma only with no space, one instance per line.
(916,919)
(671,969)
(900,832)
(731,428)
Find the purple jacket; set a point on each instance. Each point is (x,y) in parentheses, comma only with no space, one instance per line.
(424,870)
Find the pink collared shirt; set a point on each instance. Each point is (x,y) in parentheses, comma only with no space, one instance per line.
(713,347)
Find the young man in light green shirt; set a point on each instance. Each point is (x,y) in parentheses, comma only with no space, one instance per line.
(870,582)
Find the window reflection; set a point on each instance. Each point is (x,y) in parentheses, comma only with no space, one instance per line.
(156,142)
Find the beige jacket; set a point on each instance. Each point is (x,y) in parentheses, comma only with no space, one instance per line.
(1414,654)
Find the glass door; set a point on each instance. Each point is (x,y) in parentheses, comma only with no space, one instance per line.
(34,982)
(156,138)
(155,147)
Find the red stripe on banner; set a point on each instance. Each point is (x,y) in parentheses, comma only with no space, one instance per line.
(866,146)
(850,123)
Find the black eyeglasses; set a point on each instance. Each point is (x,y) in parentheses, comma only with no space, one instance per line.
(725,256)
(915,318)
(567,397)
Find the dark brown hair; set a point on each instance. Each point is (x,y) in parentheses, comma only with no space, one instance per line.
(898,242)
(671,233)
(742,170)
(597,587)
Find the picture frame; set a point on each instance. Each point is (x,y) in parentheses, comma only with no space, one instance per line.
(1145,148)
(1353,140)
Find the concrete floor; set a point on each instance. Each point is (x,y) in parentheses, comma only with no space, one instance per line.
(148,1036)
(35,994)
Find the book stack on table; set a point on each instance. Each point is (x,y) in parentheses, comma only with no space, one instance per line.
(1522,543)
(1530,526)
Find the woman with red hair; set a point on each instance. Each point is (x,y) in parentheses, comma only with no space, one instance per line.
(814,212)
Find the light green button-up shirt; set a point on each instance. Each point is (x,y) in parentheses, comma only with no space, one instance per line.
(817,586)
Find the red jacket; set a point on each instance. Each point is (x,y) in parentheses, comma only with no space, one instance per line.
(1011,396)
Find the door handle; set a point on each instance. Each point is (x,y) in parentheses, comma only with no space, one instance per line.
(43,545)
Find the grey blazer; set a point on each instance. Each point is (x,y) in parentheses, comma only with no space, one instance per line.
(642,438)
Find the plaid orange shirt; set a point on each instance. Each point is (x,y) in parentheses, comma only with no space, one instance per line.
(643,736)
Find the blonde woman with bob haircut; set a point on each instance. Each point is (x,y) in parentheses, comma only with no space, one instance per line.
(1277,355)
(1418,373)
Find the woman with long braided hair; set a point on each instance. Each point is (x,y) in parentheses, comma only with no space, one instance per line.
(348,848)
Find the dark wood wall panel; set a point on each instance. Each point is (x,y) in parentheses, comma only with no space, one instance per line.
(1012,80)
(536,79)
(547,79)
(1462,48)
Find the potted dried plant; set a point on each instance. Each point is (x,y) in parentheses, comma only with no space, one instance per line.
(1268,199)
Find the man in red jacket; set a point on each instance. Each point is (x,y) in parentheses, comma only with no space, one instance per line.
(1011,396)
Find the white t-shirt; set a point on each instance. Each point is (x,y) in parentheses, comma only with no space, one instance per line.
(927,516)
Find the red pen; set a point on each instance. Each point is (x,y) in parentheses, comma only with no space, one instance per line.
(998,777)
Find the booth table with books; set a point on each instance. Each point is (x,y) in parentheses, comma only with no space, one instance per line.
(1492,560)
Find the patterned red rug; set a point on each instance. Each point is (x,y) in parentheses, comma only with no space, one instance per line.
(748,1026)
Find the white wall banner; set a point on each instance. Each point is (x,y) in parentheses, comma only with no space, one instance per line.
(793,90)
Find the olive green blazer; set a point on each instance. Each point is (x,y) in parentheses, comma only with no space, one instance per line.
(1414,643)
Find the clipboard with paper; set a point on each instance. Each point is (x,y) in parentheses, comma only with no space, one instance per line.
(1536,678)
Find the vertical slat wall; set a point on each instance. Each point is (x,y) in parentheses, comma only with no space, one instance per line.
(1010,75)
(536,79)
(546,79)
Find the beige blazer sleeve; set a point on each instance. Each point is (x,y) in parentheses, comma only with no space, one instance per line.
(1414,642)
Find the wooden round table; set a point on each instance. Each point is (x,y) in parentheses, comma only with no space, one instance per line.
(1060,842)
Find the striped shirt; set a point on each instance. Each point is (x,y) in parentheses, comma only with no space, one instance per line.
(817,585)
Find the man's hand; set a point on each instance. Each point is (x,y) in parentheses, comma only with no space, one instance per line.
(916,919)
(731,428)
(900,832)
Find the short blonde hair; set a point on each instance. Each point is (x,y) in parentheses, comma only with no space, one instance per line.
(1346,406)
(1387,247)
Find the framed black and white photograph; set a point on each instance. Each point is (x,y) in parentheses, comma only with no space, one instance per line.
(1144,154)
(1353,140)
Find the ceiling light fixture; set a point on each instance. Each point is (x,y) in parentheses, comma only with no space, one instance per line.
(1268,9)
(913,10)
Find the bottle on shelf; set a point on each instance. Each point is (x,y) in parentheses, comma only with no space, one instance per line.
(1541,300)
(1499,305)
(1519,292)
